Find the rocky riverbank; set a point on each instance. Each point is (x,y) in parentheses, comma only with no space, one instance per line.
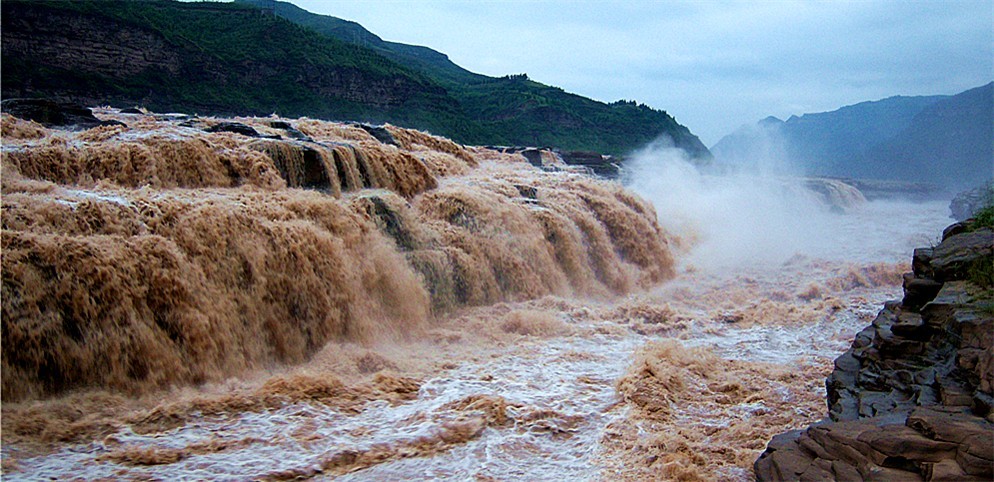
(912,398)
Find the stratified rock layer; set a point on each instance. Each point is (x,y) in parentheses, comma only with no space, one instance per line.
(911,400)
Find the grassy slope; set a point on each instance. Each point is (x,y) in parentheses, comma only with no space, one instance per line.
(236,60)
(515,110)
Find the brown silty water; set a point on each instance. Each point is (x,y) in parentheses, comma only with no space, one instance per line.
(179,304)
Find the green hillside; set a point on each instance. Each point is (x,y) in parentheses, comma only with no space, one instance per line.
(234,58)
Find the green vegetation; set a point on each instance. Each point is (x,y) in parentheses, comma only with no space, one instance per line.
(226,59)
(514,110)
(983,218)
(981,272)
(232,58)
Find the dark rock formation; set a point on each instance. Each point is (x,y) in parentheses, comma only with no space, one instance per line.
(967,203)
(600,164)
(390,222)
(912,399)
(379,132)
(291,131)
(50,113)
(235,127)
(301,164)
(534,156)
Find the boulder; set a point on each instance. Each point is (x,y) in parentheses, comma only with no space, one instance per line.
(290,131)
(952,258)
(234,127)
(379,132)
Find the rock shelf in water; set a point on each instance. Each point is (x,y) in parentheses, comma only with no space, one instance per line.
(159,253)
(912,399)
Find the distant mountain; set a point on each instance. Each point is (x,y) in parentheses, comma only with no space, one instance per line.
(941,139)
(950,142)
(224,58)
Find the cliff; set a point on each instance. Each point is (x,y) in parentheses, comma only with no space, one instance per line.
(233,58)
(912,399)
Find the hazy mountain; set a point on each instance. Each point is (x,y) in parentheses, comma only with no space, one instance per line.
(950,142)
(941,139)
(223,58)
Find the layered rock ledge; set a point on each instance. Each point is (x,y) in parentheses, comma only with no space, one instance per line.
(912,398)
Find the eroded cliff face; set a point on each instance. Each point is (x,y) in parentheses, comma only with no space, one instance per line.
(912,399)
(126,62)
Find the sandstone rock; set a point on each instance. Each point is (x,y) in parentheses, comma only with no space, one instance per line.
(953,295)
(921,262)
(952,256)
(911,325)
(534,156)
(947,471)
(301,164)
(899,441)
(918,291)
(886,474)
(954,229)
(390,222)
(527,192)
(911,399)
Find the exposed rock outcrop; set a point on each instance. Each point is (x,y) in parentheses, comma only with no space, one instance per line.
(912,399)
(967,203)
(601,165)
(50,113)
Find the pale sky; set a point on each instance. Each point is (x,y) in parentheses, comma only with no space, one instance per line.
(712,65)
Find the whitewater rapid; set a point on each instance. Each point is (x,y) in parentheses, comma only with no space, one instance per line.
(506,396)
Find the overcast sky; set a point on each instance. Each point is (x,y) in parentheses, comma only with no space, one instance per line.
(712,65)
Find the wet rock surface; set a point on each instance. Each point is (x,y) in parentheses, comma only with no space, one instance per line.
(55,114)
(911,399)
(602,165)
(379,132)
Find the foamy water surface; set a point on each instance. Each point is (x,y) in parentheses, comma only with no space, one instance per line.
(541,404)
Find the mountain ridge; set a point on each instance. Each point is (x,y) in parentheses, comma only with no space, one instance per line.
(879,139)
(234,59)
